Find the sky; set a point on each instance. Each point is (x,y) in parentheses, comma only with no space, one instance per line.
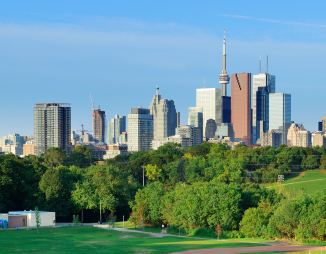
(119,51)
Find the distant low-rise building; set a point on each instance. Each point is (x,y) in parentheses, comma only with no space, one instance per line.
(115,150)
(180,139)
(192,132)
(225,130)
(28,148)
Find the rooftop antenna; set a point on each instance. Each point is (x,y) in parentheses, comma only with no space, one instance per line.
(260,64)
(267,64)
(157,90)
(204,80)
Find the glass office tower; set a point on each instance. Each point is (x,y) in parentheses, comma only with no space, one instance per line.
(195,118)
(280,113)
(263,84)
(210,100)
(52,126)
(116,127)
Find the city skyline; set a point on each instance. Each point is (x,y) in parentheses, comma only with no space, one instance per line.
(75,51)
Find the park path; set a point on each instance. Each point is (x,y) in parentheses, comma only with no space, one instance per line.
(275,248)
(301,182)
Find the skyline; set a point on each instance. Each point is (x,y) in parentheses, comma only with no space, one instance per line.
(62,58)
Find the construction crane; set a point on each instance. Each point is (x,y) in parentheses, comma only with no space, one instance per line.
(83,131)
(93,106)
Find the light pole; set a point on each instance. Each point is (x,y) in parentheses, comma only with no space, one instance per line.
(100,213)
(143,175)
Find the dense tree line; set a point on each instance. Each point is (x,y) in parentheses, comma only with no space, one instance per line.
(196,188)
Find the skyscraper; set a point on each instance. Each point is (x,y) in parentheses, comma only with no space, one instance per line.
(99,126)
(280,113)
(240,106)
(263,85)
(140,130)
(224,80)
(116,127)
(164,116)
(52,126)
(178,119)
(292,134)
(210,129)
(195,118)
(210,100)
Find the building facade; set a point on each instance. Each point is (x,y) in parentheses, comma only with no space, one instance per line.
(28,148)
(241,106)
(99,126)
(271,138)
(318,139)
(190,131)
(164,116)
(210,100)
(52,127)
(210,129)
(280,113)
(115,150)
(263,85)
(304,138)
(179,139)
(225,130)
(195,118)
(140,130)
(116,127)
(292,134)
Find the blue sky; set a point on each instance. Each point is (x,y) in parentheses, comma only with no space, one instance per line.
(121,50)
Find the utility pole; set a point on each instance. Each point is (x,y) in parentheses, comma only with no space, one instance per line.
(123,221)
(143,175)
(100,213)
(82,215)
(249,174)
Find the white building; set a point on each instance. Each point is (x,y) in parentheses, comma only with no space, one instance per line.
(180,139)
(140,130)
(210,100)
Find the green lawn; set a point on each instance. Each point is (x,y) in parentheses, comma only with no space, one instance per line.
(311,180)
(97,240)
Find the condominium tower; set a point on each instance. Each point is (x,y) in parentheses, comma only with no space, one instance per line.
(99,126)
(52,126)
(140,130)
(164,116)
(195,118)
(241,106)
(116,127)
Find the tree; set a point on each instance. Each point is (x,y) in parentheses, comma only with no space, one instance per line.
(55,156)
(37,218)
(75,221)
(153,172)
(81,156)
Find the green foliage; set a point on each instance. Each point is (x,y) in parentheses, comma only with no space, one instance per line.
(37,218)
(153,172)
(81,156)
(55,157)
(75,221)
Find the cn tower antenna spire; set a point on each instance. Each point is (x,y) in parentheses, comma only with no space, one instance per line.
(224,77)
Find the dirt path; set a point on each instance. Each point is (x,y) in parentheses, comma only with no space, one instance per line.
(276,248)
(302,182)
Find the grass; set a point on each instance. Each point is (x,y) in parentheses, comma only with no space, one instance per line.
(311,180)
(97,240)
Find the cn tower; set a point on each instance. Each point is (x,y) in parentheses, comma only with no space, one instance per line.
(224,77)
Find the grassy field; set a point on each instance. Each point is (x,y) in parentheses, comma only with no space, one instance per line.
(128,225)
(311,180)
(96,240)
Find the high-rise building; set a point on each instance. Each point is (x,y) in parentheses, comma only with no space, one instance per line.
(226,109)
(164,116)
(320,126)
(178,119)
(318,138)
(210,100)
(190,131)
(304,138)
(140,130)
(263,85)
(271,138)
(225,130)
(52,126)
(323,120)
(210,129)
(292,134)
(280,113)
(241,106)
(116,127)
(99,126)
(195,118)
